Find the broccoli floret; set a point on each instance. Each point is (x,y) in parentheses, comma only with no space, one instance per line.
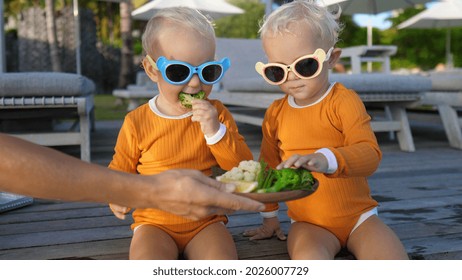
(306,178)
(186,99)
(284,180)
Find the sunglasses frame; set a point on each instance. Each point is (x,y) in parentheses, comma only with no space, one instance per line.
(319,55)
(162,64)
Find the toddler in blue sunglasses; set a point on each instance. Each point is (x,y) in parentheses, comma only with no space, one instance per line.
(166,134)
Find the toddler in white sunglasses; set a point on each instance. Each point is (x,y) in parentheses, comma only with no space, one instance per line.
(322,127)
(167,134)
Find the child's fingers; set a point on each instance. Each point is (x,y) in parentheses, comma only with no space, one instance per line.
(288,163)
(250,232)
(280,234)
(259,233)
(201,106)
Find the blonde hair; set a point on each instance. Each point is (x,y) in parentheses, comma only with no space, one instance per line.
(319,19)
(185,17)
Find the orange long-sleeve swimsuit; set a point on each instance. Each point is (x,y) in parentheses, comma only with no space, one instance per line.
(149,143)
(340,123)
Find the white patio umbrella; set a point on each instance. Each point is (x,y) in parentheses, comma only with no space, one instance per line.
(371,7)
(444,14)
(213,8)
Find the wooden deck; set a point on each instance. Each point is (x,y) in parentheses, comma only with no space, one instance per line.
(420,197)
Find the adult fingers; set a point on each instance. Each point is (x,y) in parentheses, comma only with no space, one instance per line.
(224,200)
(235,202)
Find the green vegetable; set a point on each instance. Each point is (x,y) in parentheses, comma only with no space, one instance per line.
(286,179)
(186,98)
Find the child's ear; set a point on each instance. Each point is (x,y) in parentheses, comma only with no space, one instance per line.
(153,74)
(334,57)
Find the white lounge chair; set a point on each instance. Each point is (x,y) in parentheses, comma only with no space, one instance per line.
(446,96)
(32,96)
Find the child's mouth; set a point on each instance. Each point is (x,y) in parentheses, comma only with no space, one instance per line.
(187,98)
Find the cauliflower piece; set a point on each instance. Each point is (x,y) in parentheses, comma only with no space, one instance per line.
(249,177)
(247,170)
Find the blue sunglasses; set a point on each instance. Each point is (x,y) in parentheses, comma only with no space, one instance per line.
(178,72)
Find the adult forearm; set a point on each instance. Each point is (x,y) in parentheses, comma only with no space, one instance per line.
(41,172)
(45,173)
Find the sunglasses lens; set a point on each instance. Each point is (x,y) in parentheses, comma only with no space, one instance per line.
(274,73)
(177,73)
(211,73)
(307,67)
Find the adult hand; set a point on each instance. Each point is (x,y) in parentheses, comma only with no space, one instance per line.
(119,211)
(191,194)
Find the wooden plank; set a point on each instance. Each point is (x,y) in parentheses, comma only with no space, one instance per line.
(55,215)
(75,250)
(430,247)
(38,239)
(261,249)
(44,205)
(435,227)
(60,225)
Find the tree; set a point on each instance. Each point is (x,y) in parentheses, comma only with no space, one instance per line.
(126,59)
(51,35)
(241,26)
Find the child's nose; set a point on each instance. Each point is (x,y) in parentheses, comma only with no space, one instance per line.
(195,81)
(291,76)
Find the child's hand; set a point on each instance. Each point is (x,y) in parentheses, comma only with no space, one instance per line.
(270,228)
(119,211)
(206,115)
(313,162)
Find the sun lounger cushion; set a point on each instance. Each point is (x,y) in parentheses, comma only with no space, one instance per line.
(242,77)
(44,84)
(361,83)
(446,81)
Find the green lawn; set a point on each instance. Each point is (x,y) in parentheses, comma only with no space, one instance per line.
(107,107)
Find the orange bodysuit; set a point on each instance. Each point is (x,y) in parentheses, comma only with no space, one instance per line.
(339,122)
(150,142)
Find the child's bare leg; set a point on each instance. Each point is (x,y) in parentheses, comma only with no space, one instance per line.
(310,242)
(212,243)
(152,243)
(375,240)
